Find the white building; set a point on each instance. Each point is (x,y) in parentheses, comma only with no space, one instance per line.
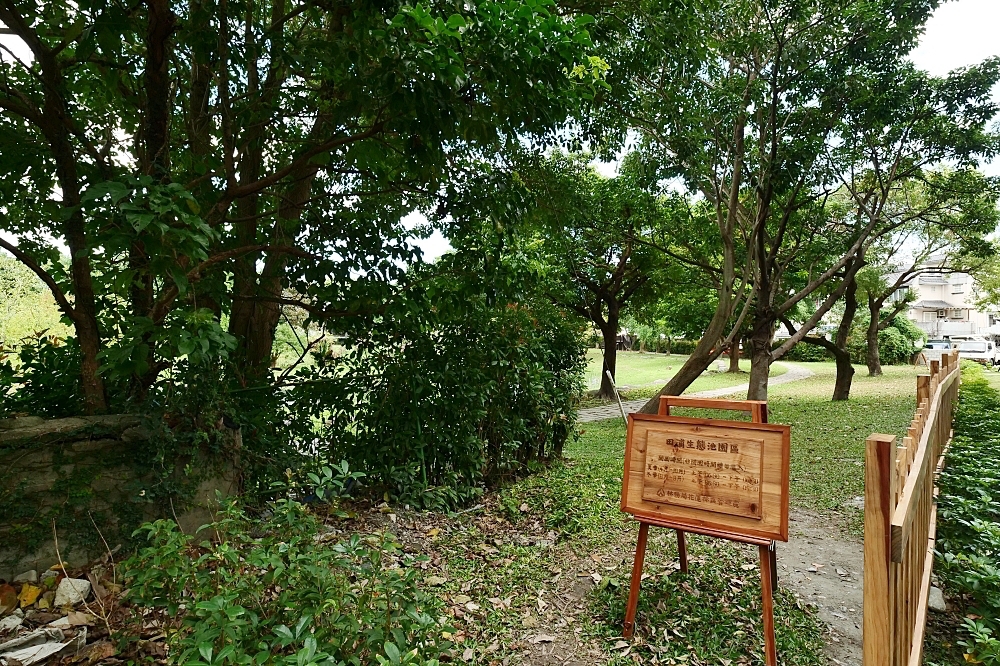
(944,304)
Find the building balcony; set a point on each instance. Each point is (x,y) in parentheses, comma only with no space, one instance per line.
(942,328)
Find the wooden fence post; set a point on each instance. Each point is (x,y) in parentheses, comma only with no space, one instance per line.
(880,474)
(923,389)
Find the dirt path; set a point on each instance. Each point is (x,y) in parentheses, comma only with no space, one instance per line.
(819,564)
(794,374)
(824,567)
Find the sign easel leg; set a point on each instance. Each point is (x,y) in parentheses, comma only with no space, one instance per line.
(766,591)
(682,550)
(633,591)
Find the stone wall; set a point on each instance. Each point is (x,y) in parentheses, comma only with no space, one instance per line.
(89,479)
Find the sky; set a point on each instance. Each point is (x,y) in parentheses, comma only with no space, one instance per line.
(961,33)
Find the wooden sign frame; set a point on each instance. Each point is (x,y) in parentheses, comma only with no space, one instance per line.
(698,453)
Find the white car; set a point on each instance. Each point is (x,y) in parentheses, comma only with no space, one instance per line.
(980,351)
(934,348)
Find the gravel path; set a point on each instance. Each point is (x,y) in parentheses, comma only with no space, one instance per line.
(794,373)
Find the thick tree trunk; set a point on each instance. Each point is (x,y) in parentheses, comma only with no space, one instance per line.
(761,339)
(84,311)
(255,320)
(845,374)
(610,333)
(872,356)
(734,356)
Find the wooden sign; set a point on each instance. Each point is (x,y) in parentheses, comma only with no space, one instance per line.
(714,477)
(726,479)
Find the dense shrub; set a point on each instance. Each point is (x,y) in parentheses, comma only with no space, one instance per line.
(277,592)
(803,351)
(894,348)
(682,346)
(434,412)
(968,546)
(896,343)
(43,379)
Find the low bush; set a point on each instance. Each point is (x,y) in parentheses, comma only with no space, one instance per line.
(682,346)
(434,412)
(276,591)
(968,546)
(805,352)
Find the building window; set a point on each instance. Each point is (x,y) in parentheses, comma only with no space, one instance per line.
(928,317)
(958,314)
(899,294)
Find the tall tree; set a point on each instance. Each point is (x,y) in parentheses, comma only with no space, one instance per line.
(766,122)
(234,156)
(597,234)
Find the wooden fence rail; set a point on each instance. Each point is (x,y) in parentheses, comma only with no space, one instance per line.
(900,516)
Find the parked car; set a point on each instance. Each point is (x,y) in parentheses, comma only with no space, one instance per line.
(980,351)
(934,348)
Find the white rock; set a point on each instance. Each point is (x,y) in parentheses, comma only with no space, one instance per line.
(935,600)
(27,577)
(71,591)
(11,622)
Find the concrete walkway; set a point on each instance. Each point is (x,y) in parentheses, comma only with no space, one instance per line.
(794,373)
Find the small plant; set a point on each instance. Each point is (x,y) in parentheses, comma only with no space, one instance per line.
(276,592)
(334,482)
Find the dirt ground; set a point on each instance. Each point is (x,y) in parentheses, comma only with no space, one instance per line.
(819,564)
(824,567)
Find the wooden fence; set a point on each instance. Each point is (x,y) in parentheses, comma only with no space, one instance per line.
(900,515)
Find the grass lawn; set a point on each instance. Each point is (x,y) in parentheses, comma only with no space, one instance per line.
(828,438)
(643,374)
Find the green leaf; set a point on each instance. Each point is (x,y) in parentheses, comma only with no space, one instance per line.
(392,652)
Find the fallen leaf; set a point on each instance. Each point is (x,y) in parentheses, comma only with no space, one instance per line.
(29,594)
(541,638)
(100,651)
(433,532)
(8,599)
(468,654)
(435,581)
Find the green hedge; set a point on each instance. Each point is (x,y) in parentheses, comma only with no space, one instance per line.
(803,351)
(968,545)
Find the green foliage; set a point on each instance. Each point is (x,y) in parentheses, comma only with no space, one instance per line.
(476,396)
(45,380)
(682,346)
(212,193)
(806,352)
(968,546)
(26,306)
(270,592)
(909,330)
(897,343)
(893,347)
